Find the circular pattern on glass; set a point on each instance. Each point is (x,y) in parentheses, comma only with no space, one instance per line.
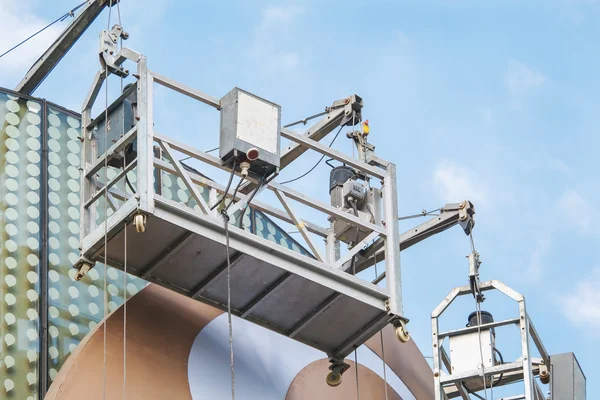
(73,122)
(12,131)
(73,212)
(54,171)
(54,259)
(54,243)
(53,184)
(73,172)
(12,144)
(11,171)
(33,119)
(10,263)
(33,144)
(73,185)
(54,158)
(33,260)
(73,146)
(73,159)
(33,131)
(54,227)
(33,243)
(12,106)
(32,227)
(33,212)
(11,246)
(54,133)
(33,183)
(33,197)
(11,214)
(54,145)
(34,157)
(33,106)
(54,213)
(12,119)
(33,170)
(11,199)
(11,185)
(54,120)
(54,198)
(73,199)
(11,229)
(12,157)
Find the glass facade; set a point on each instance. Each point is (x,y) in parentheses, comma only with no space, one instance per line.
(39,243)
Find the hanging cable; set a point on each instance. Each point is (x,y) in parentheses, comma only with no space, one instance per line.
(424,213)
(226,188)
(356,368)
(381,337)
(125,315)
(235,191)
(305,120)
(105,220)
(318,162)
(207,151)
(260,183)
(226,223)
(70,13)
(479,321)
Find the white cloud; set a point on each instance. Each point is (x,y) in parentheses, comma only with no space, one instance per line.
(281,14)
(270,47)
(18,23)
(577,211)
(521,78)
(455,183)
(536,261)
(582,305)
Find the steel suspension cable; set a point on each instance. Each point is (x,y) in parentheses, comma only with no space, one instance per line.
(105,219)
(381,338)
(479,321)
(59,19)
(356,368)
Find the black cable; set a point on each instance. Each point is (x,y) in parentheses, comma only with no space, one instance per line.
(234,194)
(318,162)
(129,184)
(226,223)
(60,19)
(207,151)
(501,362)
(227,188)
(260,183)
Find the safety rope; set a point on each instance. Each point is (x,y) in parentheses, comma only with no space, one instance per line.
(70,13)
(105,217)
(381,337)
(356,368)
(478,313)
(226,223)
(125,316)
(125,239)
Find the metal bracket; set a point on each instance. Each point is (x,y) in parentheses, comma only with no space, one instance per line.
(108,50)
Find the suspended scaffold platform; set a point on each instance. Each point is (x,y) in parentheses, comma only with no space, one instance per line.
(311,296)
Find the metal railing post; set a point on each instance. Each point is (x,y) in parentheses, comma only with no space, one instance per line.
(392,249)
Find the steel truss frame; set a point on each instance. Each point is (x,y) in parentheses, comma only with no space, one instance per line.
(448,385)
(324,269)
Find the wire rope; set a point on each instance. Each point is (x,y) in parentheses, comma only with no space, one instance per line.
(356,368)
(59,19)
(105,220)
(381,338)
(318,162)
(229,322)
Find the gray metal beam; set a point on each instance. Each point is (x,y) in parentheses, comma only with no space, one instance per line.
(51,57)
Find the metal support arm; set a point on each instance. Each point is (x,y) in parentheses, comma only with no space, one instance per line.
(51,57)
(451,214)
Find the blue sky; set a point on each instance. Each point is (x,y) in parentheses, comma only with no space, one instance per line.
(488,101)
